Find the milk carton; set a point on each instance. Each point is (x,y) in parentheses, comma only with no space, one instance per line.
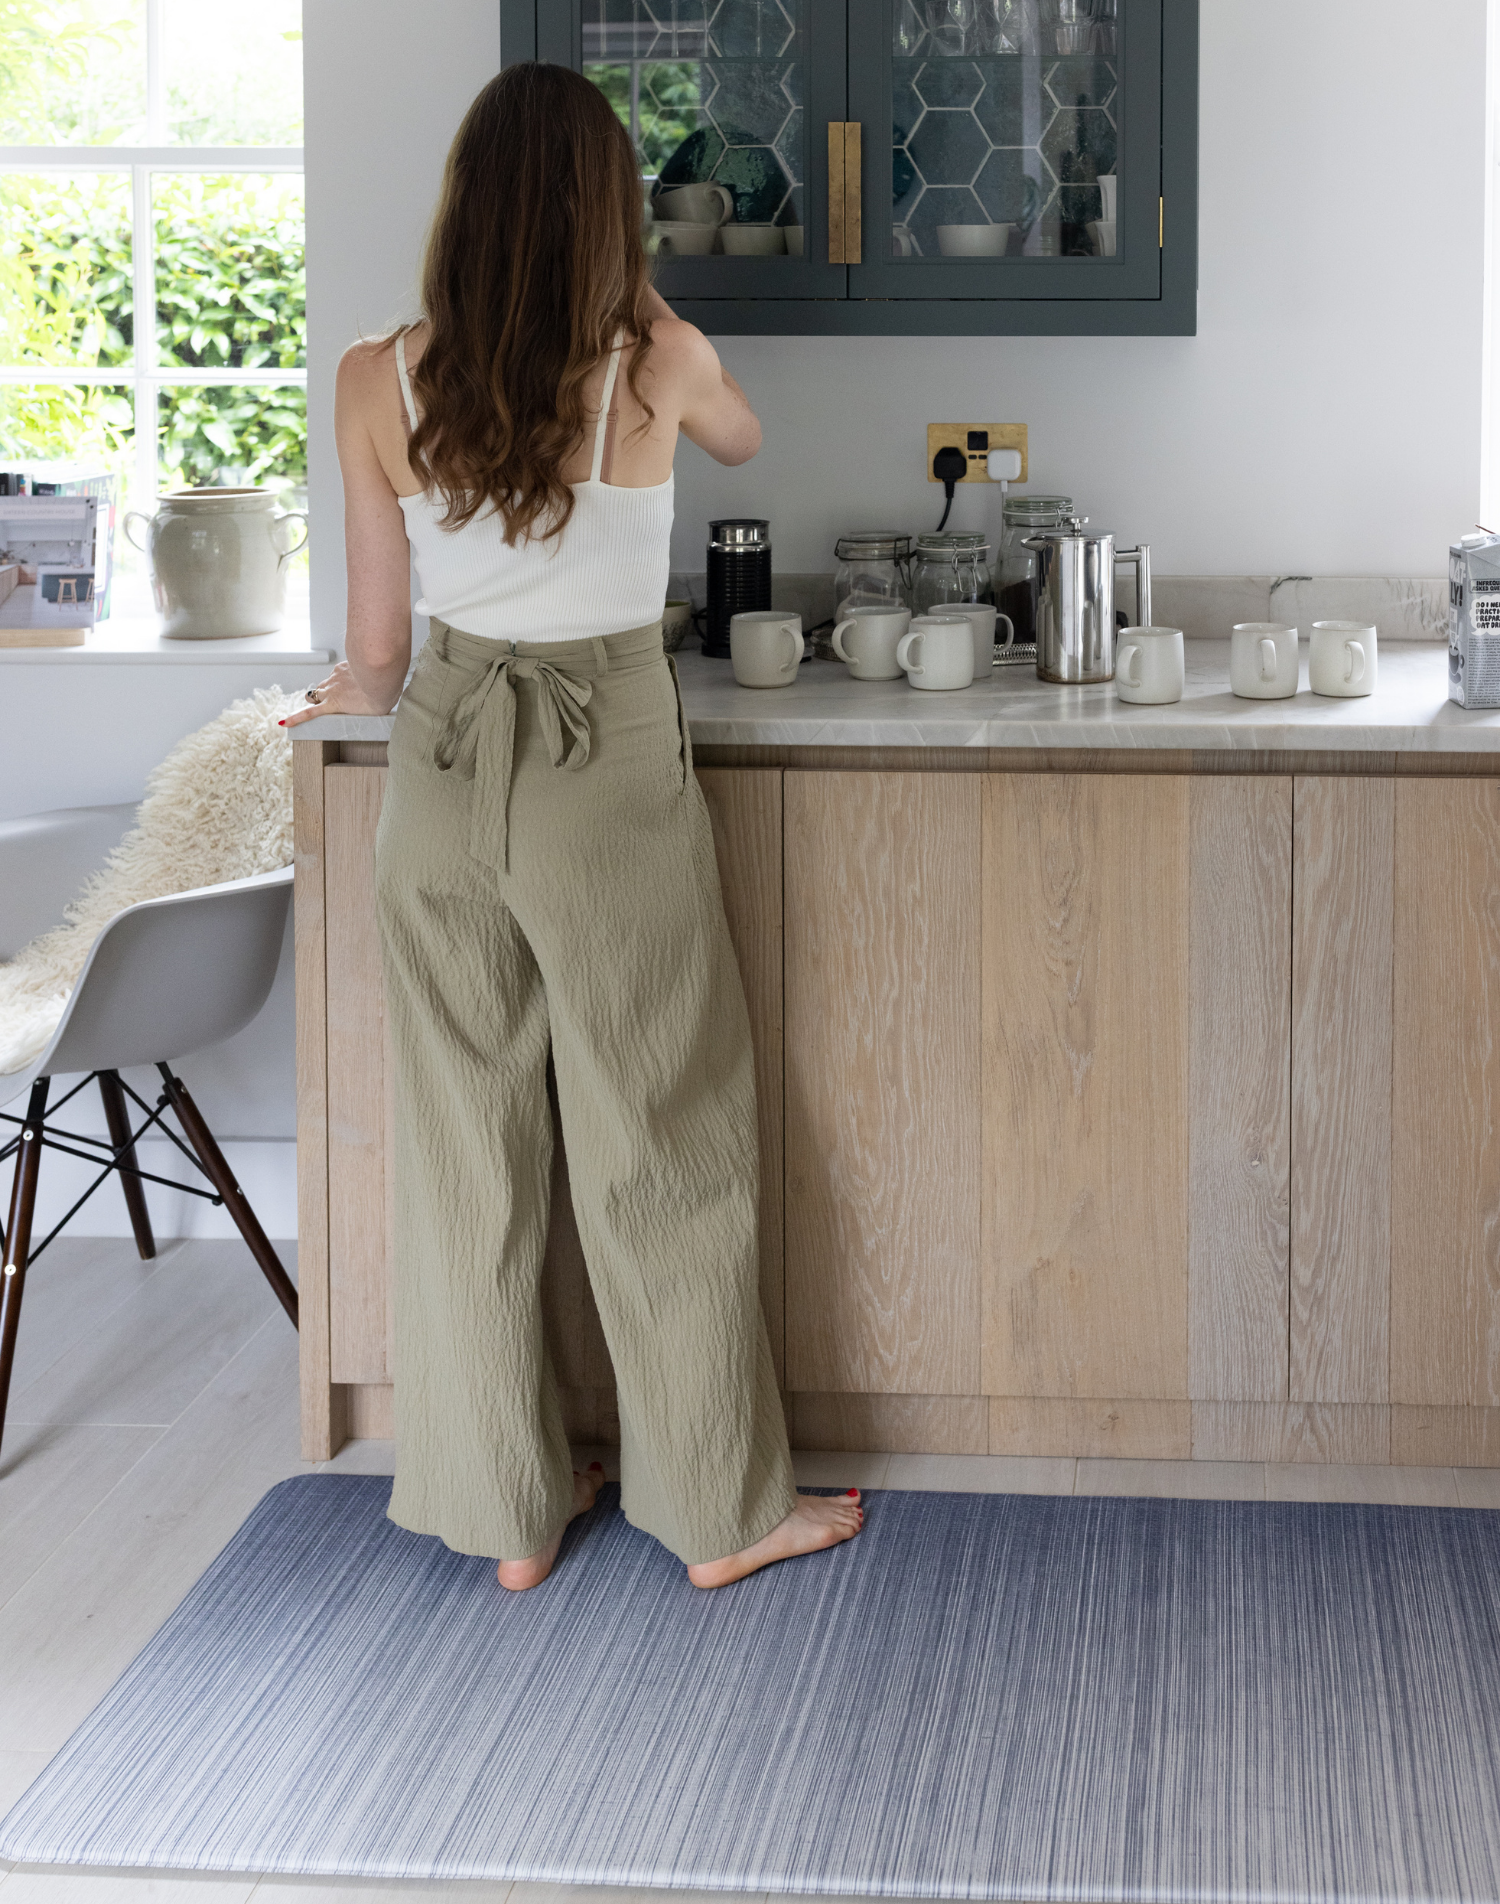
(1474,621)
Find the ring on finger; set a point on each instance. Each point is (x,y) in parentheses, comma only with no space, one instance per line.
(314,696)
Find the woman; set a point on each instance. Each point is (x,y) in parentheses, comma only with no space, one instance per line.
(545,867)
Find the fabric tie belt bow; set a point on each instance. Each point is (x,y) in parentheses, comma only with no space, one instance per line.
(478,741)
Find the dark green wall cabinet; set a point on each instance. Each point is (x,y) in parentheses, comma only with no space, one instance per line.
(903,167)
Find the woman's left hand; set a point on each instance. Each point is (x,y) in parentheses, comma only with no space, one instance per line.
(340,693)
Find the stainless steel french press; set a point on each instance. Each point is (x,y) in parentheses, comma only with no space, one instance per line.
(1075,600)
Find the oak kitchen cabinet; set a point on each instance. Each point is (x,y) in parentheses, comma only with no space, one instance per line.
(848,132)
(1145,1112)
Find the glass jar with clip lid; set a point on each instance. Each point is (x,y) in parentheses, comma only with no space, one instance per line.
(1016,583)
(873,572)
(950,566)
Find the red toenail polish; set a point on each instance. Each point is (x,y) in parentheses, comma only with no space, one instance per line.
(854,1494)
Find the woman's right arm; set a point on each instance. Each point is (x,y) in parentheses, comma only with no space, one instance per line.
(378,628)
(713,411)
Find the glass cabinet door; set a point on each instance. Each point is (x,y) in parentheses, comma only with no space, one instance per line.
(1011,148)
(726,102)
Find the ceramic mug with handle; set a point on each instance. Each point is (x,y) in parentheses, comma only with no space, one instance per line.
(1263,660)
(1149,665)
(937,652)
(982,617)
(867,638)
(765,647)
(706,204)
(1341,659)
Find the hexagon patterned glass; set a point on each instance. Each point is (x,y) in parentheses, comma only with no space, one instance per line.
(711,92)
(1003,129)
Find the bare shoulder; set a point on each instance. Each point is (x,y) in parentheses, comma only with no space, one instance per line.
(369,365)
(680,353)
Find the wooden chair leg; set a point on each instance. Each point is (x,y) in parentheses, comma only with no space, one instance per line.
(118,1119)
(235,1202)
(17,1250)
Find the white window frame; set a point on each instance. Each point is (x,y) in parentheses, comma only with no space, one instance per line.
(144,378)
(1489,382)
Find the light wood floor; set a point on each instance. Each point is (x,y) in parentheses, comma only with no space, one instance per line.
(154,1403)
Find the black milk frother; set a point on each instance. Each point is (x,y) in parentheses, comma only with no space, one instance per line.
(739,575)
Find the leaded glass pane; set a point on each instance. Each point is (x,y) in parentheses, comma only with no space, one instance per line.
(710,91)
(1004,128)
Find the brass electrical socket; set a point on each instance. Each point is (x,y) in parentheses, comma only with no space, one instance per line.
(998,436)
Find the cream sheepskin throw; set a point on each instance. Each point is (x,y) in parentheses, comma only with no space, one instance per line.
(218,807)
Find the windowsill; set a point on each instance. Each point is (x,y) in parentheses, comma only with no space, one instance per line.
(138,638)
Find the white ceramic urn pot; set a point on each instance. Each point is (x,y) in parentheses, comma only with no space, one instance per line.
(218,561)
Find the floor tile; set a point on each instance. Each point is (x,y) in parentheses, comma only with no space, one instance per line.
(17,1770)
(90,1607)
(1174,1480)
(76,1286)
(1332,1481)
(148,1360)
(815,1468)
(982,1473)
(283,1890)
(1478,1487)
(77,1884)
(51,1477)
(362,1457)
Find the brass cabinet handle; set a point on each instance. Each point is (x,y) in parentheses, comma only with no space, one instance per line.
(843,191)
(835,191)
(853,218)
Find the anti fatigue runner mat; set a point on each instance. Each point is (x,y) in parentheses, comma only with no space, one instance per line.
(984,1696)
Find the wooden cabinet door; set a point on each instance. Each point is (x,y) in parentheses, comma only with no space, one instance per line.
(359,1101)
(882,1083)
(1136,1006)
(1341,1092)
(1445,1117)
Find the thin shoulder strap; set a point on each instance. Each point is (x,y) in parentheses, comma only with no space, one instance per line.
(406,396)
(604,431)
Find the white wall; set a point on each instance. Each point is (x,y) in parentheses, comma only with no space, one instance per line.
(1325,419)
(385,88)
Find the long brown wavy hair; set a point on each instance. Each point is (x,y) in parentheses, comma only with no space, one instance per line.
(533,262)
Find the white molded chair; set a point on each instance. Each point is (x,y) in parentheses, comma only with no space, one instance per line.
(163,978)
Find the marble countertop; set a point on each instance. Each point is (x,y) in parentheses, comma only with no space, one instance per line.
(1409,712)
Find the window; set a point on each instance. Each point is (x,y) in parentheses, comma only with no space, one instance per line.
(152,303)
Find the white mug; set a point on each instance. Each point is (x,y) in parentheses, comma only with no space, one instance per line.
(765,647)
(683,239)
(706,204)
(981,617)
(752,241)
(1341,658)
(1263,660)
(937,652)
(1148,665)
(865,641)
(973,241)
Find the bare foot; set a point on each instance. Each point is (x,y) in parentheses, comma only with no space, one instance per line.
(518,1575)
(817,1521)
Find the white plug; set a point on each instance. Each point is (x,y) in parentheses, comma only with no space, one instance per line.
(1004,466)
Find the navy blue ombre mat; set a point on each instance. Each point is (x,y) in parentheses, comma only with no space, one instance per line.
(988,1696)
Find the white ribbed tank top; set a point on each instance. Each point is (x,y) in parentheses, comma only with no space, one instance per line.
(606,571)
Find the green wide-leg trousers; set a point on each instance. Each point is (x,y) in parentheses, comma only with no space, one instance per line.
(546,882)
